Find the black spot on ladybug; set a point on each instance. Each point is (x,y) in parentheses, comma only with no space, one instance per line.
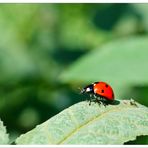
(102,91)
(106,85)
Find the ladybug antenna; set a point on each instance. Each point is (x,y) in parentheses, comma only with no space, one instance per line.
(80,89)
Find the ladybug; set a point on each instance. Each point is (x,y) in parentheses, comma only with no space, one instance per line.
(101,91)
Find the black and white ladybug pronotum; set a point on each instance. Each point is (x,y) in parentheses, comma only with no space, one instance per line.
(101,91)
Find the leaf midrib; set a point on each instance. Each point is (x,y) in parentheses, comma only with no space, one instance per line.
(90,121)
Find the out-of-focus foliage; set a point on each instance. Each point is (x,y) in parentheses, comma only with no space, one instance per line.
(109,63)
(39,42)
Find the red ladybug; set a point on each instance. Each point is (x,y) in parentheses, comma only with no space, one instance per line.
(101,91)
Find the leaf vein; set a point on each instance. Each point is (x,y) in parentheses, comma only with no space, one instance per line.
(90,121)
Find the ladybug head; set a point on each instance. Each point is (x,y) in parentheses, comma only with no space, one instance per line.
(87,89)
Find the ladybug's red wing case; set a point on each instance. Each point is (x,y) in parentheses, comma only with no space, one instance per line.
(104,90)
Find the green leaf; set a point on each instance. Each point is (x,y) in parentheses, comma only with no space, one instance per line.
(142,10)
(3,135)
(121,62)
(94,124)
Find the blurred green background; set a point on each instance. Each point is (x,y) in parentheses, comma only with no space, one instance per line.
(43,48)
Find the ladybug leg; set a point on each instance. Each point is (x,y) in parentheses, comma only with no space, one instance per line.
(90,100)
(97,100)
(94,98)
(104,103)
(101,100)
